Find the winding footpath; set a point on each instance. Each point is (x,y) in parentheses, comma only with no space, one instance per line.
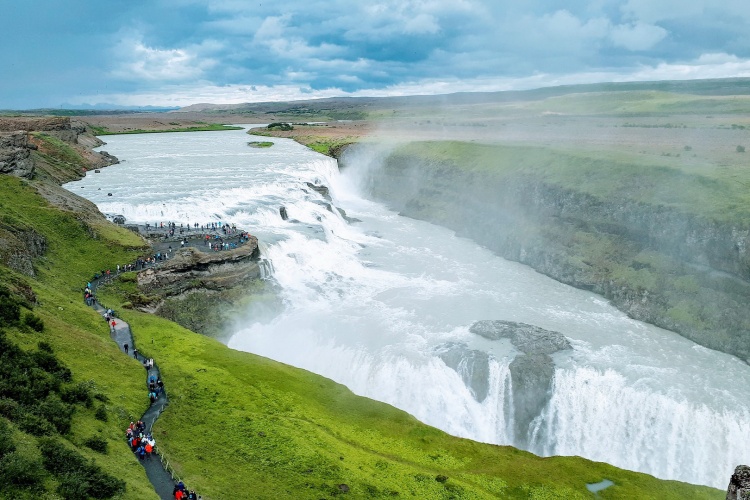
(162,479)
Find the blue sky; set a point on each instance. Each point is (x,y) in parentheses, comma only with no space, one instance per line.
(179,52)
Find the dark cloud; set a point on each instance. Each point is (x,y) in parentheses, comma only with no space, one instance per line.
(70,51)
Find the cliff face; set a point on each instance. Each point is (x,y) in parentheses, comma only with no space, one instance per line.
(677,270)
(53,147)
(15,154)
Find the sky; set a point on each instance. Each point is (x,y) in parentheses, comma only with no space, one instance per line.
(178,52)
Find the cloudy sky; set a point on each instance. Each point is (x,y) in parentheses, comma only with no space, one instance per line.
(179,52)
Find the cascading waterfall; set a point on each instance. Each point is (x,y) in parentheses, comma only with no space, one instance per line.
(384,306)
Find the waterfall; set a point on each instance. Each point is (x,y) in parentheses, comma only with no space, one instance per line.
(376,305)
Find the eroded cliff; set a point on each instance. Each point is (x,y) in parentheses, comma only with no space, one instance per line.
(627,232)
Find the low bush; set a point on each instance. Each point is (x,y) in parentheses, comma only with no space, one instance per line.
(101,413)
(97,443)
(78,478)
(20,471)
(33,321)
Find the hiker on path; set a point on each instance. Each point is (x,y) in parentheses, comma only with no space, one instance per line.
(135,353)
(126,348)
(112,326)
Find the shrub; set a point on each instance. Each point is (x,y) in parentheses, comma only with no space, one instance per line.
(47,361)
(34,424)
(56,412)
(6,441)
(20,471)
(78,478)
(97,443)
(33,321)
(58,459)
(8,408)
(101,414)
(10,312)
(78,393)
(280,126)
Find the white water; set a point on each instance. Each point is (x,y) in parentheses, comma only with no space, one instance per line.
(367,304)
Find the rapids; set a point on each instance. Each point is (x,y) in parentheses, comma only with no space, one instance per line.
(371,304)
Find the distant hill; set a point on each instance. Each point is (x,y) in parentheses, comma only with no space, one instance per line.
(716,87)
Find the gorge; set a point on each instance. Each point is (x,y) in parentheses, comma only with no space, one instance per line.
(387,306)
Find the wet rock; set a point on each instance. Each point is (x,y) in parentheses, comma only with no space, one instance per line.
(528,339)
(118,219)
(283,214)
(739,484)
(346,217)
(321,190)
(531,376)
(471,365)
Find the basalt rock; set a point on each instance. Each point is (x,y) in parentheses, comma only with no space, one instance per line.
(528,339)
(532,372)
(739,484)
(531,376)
(15,154)
(191,268)
(471,365)
(321,190)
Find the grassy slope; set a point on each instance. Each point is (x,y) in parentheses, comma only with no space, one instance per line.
(77,334)
(242,425)
(240,422)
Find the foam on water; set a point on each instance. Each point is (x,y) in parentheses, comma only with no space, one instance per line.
(368,304)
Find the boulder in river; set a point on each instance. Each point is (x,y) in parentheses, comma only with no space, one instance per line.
(532,372)
(321,190)
(471,365)
(528,339)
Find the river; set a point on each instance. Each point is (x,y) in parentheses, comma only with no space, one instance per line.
(371,304)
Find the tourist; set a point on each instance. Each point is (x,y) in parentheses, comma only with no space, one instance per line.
(125,346)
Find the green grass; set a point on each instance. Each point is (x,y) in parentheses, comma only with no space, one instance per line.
(260,144)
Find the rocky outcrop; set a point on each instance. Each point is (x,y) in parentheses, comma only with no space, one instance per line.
(532,372)
(15,154)
(19,246)
(471,365)
(191,268)
(528,339)
(739,484)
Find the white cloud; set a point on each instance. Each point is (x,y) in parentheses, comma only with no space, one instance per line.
(135,61)
(637,37)
(717,65)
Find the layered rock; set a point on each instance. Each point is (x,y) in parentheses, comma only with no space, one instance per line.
(191,268)
(15,154)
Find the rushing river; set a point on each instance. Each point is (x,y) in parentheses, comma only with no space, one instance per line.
(371,304)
